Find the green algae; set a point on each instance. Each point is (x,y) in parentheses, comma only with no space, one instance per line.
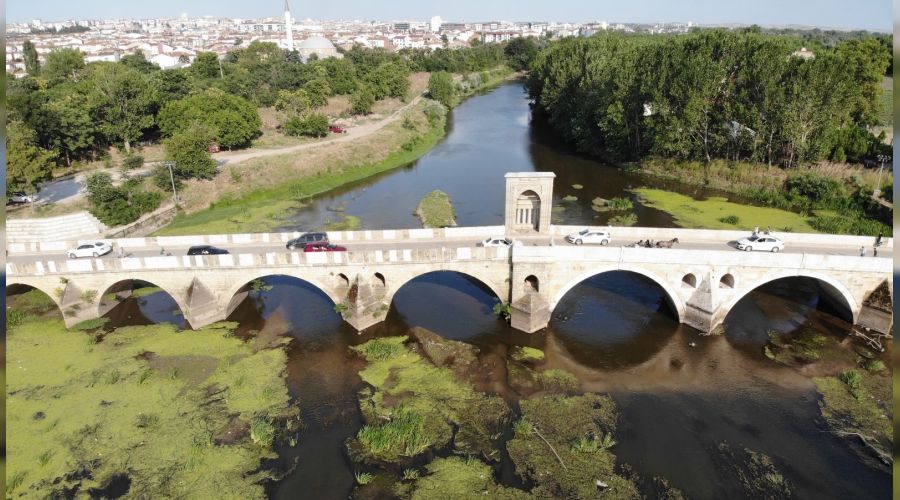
(525,353)
(82,413)
(756,473)
(862,409)
(464,478)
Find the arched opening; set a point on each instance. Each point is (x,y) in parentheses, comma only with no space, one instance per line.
(137,302)
(274,305)
(689,280)
(379,280)
(727,281)
(343,280)
(614,318)
(452,304)
(528,211)
(785,305)
(532,284)
(24,302)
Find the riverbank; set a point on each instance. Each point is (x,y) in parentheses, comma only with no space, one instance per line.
(257,194)
(146,409)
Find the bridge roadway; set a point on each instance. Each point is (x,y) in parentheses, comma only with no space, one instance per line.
(702,277)
(446,242)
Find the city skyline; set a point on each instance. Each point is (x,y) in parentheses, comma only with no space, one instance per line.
(870,15)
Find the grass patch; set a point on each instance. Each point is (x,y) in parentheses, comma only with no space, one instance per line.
(853,403)
(525,353)
(457,477)
(692,213)
(886,114)
(145,291)
(436,210)
(347,223)
(623,220)
(103,411)
(90,324)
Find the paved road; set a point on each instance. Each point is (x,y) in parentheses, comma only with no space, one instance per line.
(257,248)
(71,189)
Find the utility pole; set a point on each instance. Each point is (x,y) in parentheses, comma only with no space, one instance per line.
(170,165)
(882,159)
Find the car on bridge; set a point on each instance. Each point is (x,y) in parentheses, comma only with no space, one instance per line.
(763,242)
(496,241)
(323,246)
(600,236)
(303,239)
(90,250)
(206,250)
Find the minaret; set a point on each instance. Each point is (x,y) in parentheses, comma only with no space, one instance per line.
(288,26)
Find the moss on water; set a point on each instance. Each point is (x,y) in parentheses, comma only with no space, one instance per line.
(145,291)
(525,353)
(692,213)
(347,223)
(864,411)
(463,478)
(82,413)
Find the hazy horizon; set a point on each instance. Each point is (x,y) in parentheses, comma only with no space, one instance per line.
(824,14)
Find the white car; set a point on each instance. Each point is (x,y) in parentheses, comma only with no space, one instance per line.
(496,241)
(763,242)
(600,236)
(22,198)
(90,250)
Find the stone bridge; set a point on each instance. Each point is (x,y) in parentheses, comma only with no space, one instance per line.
(702,277)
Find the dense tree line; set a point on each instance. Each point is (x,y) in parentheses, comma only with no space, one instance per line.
(710,94)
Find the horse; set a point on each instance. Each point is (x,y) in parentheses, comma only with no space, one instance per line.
(666,244)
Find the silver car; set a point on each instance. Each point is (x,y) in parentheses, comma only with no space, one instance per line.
(90,250)
(600,236)
(763,242)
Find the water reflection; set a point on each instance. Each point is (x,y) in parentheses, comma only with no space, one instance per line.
(142,304)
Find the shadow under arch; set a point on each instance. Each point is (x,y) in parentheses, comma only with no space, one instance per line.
(613,319)
(139,302)
(672,299)
(42,305)
(241,291)
(453,304)
(836,295)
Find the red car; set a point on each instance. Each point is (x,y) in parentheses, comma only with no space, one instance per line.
(337,129)
(213,148)
(323,246)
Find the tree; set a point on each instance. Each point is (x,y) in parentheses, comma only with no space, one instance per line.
(442,89)
(362,100)
(206,65)
(26,164)
(317,91)
(189,150)
(313,125)
(70,126)
(124,102)
(293,103)
(389,79)
(232,120)
(115,206)
(139,62)
(170,85)
(63,64)
(32,64)
(520,52)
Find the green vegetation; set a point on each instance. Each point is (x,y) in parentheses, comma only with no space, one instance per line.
(757,474)
(116,205)
(145,291)
(310,125)
(708,94)
(706,213)
(623,220)
(457,477)
(180,414)
(347,223)
(232,120)
(525,353)
(543,452)
(802,347)
(859,407)
(732,220)
(26,163)
(91,324)
(188,148)
(442,89)
(436,210)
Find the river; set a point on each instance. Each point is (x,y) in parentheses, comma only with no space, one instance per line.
(680,395)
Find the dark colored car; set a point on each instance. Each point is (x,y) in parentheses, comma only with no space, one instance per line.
(206,250)
(323,246)
(337,129)
(301,241)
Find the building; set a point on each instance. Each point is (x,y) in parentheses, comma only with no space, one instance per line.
(288,26)
(320,46)
(435,24)
(401,26)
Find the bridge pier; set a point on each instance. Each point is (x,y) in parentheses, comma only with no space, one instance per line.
(530,313)
(365,304)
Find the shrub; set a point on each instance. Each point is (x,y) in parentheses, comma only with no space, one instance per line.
(262,432)
(620,204)
(852,379)
(623,220)
(362,100)
(442,89)
(132,162)
(731,219)
(313,125)
(89,296)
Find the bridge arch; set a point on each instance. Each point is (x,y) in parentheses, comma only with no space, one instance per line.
(102,307)
(672,295)
(830,285)
(393,287)
(18,285)
(229,303)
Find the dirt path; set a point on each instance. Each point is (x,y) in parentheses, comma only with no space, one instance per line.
(232,157)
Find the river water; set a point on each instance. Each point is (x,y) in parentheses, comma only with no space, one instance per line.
(680,395)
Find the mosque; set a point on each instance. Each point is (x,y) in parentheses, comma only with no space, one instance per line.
(318,45)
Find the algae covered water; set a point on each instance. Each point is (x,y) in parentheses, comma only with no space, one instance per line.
(685,402)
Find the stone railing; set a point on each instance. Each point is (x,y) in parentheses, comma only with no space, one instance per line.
(248,260)
(477,232)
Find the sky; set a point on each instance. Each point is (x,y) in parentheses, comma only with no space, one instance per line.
(873,15)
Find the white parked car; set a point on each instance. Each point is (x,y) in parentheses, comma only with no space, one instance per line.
(763,242)
(22,198)
(90,250)
(600,236)
(496,241)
